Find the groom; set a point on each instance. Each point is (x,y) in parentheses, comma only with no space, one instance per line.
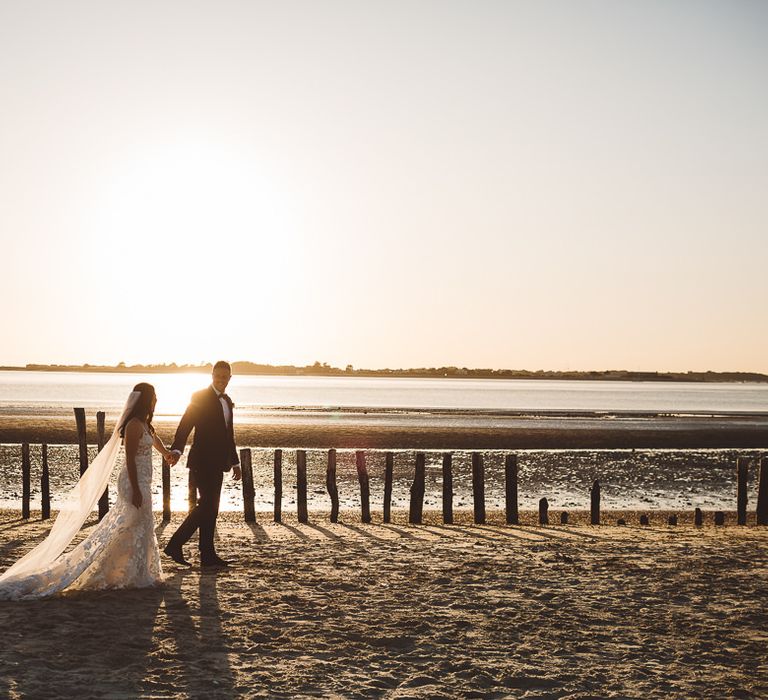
(213,452)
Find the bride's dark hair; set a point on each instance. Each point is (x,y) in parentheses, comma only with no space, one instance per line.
(142,409)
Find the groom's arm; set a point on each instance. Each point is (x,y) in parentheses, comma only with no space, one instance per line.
(234,458)
(235,464)
(188,421)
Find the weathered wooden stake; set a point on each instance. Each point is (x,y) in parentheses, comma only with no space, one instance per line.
(594,506)
(101,438)
(719,517)
(742,470)
(45,486)
(330,483)
(698,517)
(478,487)
(389,463)
(81,439)
(564,517)
(543,511)
(166,475)
(278,508)
(448,488)
(100,442)
(365,488)
(510,476)
(301,486)
(26,480)
(672,520)
(249,492)
(644,520)
(762,493)
(417,490)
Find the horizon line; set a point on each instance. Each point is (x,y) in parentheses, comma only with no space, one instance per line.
(452,371)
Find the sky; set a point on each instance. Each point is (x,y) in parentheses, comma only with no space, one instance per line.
(528,185)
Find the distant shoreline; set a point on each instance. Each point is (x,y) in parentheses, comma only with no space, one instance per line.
(324,370)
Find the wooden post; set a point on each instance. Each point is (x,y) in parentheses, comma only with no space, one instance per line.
(417,490)
(672,520)
(742,467)
(191,490)
(301,486)
(166,491)
(330,483)
(698,517)
(388,470)
(278,486)
(45,487)
(81,439)
(762,493)
(594,497)
(510,476)
(719,518)
(564,517)
(365,489)
(448,488)
(100,430)
(249,492)
(100,442)
(478,487)
(644,520)
(26,480)
(543,512)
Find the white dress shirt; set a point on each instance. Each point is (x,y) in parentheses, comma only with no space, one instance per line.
(224,405)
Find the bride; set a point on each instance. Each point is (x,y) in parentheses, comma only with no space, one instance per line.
(121,551)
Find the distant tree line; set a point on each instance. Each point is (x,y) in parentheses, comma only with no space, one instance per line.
(324,369)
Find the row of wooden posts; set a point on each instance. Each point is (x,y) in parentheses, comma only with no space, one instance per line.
(417,490)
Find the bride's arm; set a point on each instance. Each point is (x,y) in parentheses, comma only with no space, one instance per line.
(161,448)
(133,432)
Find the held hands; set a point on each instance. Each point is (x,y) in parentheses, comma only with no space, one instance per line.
(173,457)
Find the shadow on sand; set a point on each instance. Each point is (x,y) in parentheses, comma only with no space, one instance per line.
(97,642)
(201,649)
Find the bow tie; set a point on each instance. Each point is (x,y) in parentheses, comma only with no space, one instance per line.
(225,397)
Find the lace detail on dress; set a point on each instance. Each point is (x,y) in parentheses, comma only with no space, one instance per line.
(120,552)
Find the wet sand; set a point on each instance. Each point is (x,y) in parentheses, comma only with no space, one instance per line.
(523,432)
(354,610)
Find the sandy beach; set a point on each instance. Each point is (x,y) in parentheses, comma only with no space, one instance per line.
(353,610)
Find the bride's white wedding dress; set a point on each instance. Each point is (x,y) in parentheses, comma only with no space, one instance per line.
(120,552)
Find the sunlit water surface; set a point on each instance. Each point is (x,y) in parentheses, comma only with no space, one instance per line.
(631,479)
(56,393)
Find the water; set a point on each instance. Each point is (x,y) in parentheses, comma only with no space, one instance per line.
(632,479)
(56,393)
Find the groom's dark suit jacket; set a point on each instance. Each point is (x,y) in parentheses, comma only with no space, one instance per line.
(213,447)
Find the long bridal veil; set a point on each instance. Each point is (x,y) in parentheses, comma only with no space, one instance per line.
(76,506)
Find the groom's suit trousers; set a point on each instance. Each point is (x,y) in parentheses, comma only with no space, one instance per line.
(203,515)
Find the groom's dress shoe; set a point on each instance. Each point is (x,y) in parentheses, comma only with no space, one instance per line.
(177,555)
(214,562)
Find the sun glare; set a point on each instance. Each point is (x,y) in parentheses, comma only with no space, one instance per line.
(198,211)
(174,392)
